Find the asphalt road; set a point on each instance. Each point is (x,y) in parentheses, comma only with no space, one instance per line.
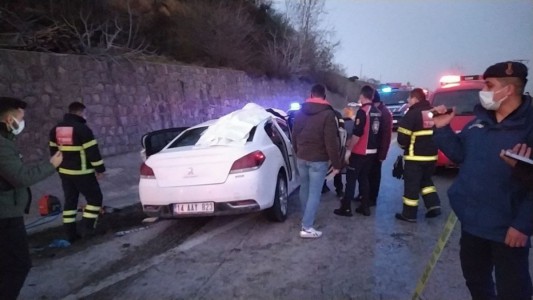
(248,257)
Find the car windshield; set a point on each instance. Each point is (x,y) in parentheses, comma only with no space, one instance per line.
(463,101)
(191,137)
(394,97)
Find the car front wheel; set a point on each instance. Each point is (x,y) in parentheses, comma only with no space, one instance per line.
(278,211)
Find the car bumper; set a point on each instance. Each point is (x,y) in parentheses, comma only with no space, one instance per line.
(221,209)
(241,193)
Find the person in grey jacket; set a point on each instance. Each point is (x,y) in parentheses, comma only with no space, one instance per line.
(15,178)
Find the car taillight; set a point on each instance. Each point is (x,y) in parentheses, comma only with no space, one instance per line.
(146,171)
(248,162)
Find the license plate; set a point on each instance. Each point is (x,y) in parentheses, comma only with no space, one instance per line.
(194,208)
(394,121)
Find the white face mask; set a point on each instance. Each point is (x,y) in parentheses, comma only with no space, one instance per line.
(487,100)
(17,128)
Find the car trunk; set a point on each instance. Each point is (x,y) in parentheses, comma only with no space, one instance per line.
(188,166)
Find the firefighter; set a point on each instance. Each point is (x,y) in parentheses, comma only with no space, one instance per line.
(415,136)
(81,167)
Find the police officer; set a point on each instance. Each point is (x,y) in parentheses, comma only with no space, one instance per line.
(15,178)
(81,167)
(494,208)
(361,151)
(415,136)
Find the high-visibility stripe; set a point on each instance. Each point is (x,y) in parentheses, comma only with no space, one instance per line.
(89,215)
(70,148)
(412,146)
(89,144)
(69,220)
(52,144)
(420,158)
(411,151)
(92,207)
(69,216)
(404,131)
(83,160)
(429,190)
(423,132)
(75,172)
(371,151)
(410,202)
(97,163)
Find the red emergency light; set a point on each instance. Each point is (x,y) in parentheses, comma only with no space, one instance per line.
(447,79)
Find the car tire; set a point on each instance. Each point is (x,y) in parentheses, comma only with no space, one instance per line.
(278,211)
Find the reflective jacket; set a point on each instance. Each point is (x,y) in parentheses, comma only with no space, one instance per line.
(78,145)
(485,196)
(367,127)
(415,133)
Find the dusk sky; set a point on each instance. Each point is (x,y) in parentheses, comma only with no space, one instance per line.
(421,40)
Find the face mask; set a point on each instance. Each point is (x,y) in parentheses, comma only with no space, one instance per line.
(17,127)
(487,100)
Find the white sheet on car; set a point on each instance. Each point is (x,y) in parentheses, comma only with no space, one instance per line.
(234,128)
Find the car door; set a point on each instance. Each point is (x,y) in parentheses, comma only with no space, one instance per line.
(292,167)
(155,141)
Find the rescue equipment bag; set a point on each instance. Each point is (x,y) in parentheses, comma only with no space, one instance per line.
(397,169)
(49,205)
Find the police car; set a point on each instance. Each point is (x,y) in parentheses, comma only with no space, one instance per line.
(461,92)
(395,96)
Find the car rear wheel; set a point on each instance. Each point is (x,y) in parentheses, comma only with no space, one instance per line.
(278,211)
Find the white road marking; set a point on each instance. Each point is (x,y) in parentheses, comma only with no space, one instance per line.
(161,258)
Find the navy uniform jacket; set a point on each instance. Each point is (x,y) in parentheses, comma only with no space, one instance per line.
(485,196)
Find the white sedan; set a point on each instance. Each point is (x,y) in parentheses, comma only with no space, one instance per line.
(185,180)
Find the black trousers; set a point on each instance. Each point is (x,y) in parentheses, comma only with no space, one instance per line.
(479,257)
(374,179)
(357,171)
(73,186)
(15,262)
(87,185)
(417,180)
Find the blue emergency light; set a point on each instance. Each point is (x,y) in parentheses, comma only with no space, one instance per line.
(295,106)
(387,89)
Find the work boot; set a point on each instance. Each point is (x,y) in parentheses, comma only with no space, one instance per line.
(401,217)
(345,210)
(363,209)
(432,213)
(71,232)
(88,227)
